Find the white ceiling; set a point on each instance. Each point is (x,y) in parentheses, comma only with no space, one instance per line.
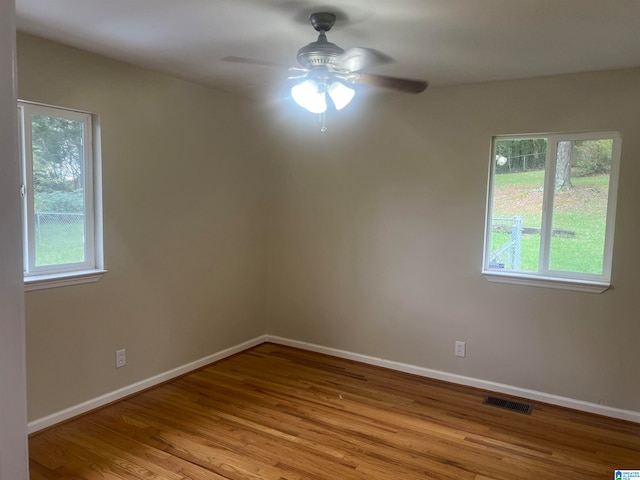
(446,42)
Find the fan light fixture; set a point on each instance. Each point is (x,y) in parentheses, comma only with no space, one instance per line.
(311,95)
(326,69)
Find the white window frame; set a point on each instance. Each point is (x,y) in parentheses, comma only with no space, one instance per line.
(92,268)
(546,277)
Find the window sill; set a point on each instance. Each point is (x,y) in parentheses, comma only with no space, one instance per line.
(54,280)
(547,282)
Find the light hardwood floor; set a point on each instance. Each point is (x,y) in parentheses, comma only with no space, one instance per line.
(279,413)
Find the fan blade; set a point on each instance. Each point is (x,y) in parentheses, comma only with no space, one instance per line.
(252,61)
(359,58)
(401,84)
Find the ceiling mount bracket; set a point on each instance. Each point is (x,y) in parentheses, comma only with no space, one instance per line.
(322,21)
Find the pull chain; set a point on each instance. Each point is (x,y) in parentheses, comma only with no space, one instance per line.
(323,126)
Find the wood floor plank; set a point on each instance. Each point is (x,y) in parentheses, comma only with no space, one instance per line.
(280,413)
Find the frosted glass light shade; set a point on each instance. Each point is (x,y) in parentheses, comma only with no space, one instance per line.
(307,96)
(340,94)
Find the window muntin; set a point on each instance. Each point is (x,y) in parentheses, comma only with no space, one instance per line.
(551,206)
(59,195)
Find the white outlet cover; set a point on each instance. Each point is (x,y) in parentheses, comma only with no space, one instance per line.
(121,358)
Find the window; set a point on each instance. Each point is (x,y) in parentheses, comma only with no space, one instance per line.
(551,210)
(61,197)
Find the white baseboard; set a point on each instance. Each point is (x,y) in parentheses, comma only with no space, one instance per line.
(102,400)
(605,410)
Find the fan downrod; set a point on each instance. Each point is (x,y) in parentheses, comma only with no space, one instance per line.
(322,21)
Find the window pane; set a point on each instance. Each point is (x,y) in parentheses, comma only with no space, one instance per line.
(58,187)
(580,206)
(517,204)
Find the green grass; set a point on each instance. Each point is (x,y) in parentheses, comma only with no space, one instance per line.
(581,209)
(584,252)
(533,177)
(530,249)
(59,244)
(592,181)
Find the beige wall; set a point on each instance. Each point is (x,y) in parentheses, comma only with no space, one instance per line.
(184,243)
(13,411)
(377,234)
(366,238)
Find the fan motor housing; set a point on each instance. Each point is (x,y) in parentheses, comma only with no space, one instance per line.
(319,53)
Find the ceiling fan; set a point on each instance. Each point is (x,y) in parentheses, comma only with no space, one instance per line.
(326,70)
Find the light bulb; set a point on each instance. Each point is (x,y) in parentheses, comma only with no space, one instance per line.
(340,94)
(307,96)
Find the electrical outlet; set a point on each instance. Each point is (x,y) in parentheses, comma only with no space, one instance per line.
(461,349)
(121,358)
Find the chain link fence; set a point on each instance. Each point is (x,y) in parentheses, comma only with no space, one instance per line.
(63,223)
(508,255)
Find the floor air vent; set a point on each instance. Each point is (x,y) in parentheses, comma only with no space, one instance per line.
(508,404)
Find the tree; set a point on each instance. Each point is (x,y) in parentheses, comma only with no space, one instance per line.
(57,153)
(593,157)
(563,165)
(58,164)
(521,155)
